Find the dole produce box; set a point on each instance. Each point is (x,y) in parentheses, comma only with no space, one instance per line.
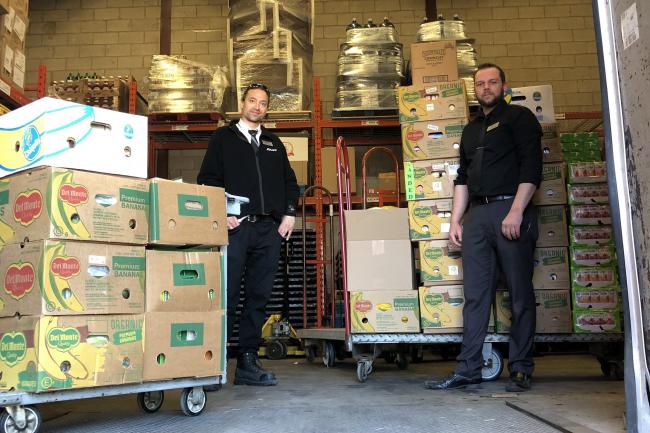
(430,179)
(57,203)
(432,139)
(55,132)
(384,311)
(441,309)
(70,278)
(187,214)
(50,353)
(440,263)
(432,102)
(184,344)
(185,281)
(429,219)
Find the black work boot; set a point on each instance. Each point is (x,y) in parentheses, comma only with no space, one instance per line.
(250,372)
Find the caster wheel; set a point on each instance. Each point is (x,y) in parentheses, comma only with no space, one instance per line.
(276,349)
(492,366)
(151,401)
(310,353)
(329,354)
(364,368)
(193,401)
(33,421)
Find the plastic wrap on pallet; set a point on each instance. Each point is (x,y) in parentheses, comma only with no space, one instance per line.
(177,84)
(469,89)
(441,29)
(275,45)
(467,58)
(365,94)
(373,35)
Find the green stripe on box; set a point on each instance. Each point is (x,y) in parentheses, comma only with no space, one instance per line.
(154,213)
(192,205)
(125,263)
(4,197)
(189,274)
(222,343)
(222,265)
(186,334)
(409,179)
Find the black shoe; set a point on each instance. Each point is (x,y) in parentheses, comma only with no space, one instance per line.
(453,381)
(519,382)
(249,371)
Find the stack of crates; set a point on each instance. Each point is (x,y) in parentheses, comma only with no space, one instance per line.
(111,93)
(595,288)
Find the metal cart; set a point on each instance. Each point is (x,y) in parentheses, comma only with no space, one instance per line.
(365,348)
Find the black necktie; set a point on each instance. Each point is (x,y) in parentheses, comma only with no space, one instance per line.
(253,133)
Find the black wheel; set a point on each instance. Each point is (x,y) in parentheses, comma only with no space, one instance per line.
(329,354)
(402,361)
(362,371)
(193,404)
(492,366)
(310,353)
(151,401)
(390,357)
(33,421)
(619,371)
(276,349)
(605,367)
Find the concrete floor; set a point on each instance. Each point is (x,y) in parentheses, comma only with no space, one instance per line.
(568,390)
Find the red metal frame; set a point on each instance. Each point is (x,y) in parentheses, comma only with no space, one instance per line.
(344,204)
(364,162)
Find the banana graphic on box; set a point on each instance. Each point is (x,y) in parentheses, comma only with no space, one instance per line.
(357,316)
(63,215)
(55,290)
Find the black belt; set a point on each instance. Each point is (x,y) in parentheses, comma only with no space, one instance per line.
(259,218)
(479,200)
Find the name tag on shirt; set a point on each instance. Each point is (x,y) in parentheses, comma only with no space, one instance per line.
(493,126)
(267,143)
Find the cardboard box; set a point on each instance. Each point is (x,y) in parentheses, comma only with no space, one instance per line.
(56,203)
(298,153)
(595,193)
(538,99)
(189,344)
(432,139)
(4,6)
(50,353)
(591,235)
(587,172)
(385,311)
(551,269)
(71,278)
(595,278)
(328,163)
(65,134)
(585,299)
(378,250)
(592,255)
(432,102)
(187,214)
(15,22)
(429,219)
(440,263)
(431,179)
(552,226)
(590,214)
(434,62)
(597,321)
(185,281)
(441,309)
(552,150)
(552,312)
(552,190)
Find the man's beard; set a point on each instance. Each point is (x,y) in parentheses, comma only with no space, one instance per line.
(497,98)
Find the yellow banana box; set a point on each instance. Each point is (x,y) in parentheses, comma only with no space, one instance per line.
(429,219)
(553,311)
(187,214)
(430,179)
(552,190)
(441,309)
(552,226)
(384,311)
(440,263)
(189,344)
(185,281)
(57,203)
(69,278)
(55,132)
(551,268)
(49,353)
(432,102)
(432,139)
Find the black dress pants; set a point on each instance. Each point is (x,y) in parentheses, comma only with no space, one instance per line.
(486,251)
(254,251)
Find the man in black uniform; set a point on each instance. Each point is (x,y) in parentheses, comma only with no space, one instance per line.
(500,169)
(248,160)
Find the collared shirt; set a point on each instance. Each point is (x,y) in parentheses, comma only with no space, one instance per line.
(244,128)
(499,151)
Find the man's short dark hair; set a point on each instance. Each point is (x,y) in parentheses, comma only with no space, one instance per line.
(252,86)
(491,65)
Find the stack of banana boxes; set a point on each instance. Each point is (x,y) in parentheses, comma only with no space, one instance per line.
(84,302)
(551,261)
(432,115)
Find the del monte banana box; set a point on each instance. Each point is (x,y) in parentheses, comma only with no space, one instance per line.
(432,102)
(189,344)
(429,219)
(187,214)
(430,179)
(432,139)
(440,263)
(185,281)
(441,309)
(384,311)
(69,278)
(50,353)
(57,203)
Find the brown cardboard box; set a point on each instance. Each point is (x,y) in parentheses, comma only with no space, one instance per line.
(71,278)
(432,102)
(187,214)
(434,62)
(15,22)
(429,219)
(432,139)
(49,353)
(378,250)
(189,344)
(441,309)
(328,162)
(553,312)
(552,150)
(298,153)
(384,311)
(4,6)
(49,202)
(553,187)
(431,179)
(552,226)
(185,281)
(538,99)
(440,263)
(12,56)
(551,269)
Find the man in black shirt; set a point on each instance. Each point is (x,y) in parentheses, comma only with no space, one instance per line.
(500,169)
(249,161)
